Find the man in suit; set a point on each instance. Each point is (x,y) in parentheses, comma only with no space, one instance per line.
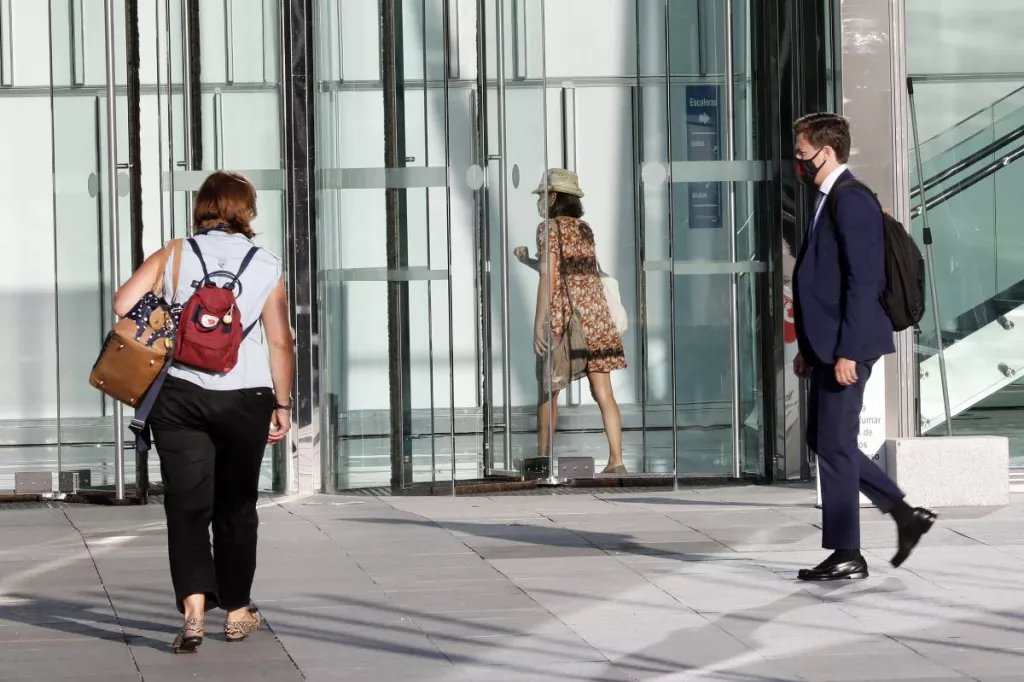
(842,331)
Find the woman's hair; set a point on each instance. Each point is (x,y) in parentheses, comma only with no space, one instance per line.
(228,201)
(568,205)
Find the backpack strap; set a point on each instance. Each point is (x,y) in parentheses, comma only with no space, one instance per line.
(248,329)
(245,264)
(202,262)
(830,199)
(140,422)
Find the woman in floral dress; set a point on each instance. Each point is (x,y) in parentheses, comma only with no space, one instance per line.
(568,243)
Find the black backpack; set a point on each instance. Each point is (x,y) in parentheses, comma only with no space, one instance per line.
(904,297)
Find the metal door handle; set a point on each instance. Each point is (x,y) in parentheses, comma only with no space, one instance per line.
(229,41)
(6,44)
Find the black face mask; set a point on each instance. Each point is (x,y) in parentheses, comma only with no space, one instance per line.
(806,170)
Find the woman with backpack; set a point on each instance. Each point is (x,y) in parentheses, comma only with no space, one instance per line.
(226,396)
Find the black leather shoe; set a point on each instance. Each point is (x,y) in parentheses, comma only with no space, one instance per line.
(910,533)
(831,569)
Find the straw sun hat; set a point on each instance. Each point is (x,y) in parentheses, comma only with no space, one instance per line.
(560,180)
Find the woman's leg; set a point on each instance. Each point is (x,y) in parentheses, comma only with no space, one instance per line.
(241,440)
(186,466)
(601,389)
(547,424)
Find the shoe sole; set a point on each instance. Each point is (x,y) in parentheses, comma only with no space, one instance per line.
(900,558)
(189,645)
(853,576)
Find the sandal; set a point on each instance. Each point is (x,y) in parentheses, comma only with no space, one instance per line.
(191,636)
(238,630)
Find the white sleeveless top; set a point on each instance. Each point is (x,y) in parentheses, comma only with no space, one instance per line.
(224,252)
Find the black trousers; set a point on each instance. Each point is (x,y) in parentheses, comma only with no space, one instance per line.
(211,446)
(833,427)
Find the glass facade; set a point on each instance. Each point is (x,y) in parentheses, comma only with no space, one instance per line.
(395,147)
(427,359)
(969,118)
(96,208)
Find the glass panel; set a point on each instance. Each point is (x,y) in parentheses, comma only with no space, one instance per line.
(612,127)
(240,127)
(82,203)
(700,256)
(517,100)
(978,277)
(28,410)
(370,300)
(969,100)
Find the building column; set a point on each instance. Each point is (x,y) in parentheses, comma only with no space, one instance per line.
(298,93)
(873,81)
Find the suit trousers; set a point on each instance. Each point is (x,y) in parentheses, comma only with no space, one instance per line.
(833,427)
(211,446)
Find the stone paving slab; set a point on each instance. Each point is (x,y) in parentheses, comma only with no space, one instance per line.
(665,587)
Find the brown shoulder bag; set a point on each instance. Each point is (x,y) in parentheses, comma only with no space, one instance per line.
(141,344)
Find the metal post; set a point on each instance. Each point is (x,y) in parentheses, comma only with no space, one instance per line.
(114,217)
(483,243)
(502,157)
(397,243)
(929,261)
(572,391)
(448,46)
(427,230)
(671,244)
(639,221)
(734,316)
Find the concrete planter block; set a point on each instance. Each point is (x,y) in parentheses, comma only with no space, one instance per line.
(968,471)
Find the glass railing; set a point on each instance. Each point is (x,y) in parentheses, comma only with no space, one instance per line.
(974,191)
(970,134)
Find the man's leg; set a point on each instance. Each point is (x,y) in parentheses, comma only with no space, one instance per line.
(875,483)
(837,425)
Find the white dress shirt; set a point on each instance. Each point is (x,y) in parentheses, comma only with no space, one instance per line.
(826,187)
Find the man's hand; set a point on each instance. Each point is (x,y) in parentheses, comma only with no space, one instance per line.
(846,372)
(801,368)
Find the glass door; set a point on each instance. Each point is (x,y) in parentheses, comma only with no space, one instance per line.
(700,240)
(428,234)
(395,191)
(515,154)
(220,109)
(92,217)
(427,157)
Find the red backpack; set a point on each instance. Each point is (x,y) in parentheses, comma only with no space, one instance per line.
(210,330)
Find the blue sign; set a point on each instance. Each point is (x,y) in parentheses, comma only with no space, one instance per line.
(703,133)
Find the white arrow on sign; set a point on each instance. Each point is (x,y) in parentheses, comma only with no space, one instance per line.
(704,119)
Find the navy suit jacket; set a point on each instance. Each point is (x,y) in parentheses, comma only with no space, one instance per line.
(839,279)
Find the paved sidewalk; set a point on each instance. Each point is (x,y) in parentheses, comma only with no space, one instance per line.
(698,585)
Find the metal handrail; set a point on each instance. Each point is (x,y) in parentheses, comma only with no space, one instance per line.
(924,79)
(968,161)
(971,181)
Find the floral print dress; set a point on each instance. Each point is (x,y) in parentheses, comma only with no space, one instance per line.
(578,262)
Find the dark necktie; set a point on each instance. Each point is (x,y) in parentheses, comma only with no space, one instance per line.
(817,205)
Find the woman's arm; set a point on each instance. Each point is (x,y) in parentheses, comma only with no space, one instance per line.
(545,294)
(139,284)
(280,342)
(523,256)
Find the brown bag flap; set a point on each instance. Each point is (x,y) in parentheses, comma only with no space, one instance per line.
(126,369)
